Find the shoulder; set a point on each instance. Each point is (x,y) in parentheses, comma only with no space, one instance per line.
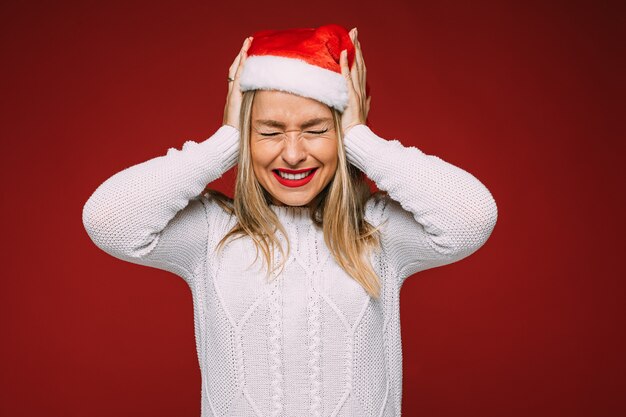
(219,211)
(383,211)
(379,206)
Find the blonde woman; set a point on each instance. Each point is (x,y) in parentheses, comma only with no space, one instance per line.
(296,280)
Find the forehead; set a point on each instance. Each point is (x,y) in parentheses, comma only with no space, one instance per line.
(287,107)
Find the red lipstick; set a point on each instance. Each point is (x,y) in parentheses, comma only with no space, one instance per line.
(293,171)
(294,183)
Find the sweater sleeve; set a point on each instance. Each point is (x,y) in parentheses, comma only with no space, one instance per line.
(434,213)
(153,214)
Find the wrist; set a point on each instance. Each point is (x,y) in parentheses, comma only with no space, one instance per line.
(349,127)
(363,146)
(230,125)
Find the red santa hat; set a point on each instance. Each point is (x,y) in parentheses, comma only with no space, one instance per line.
(302,61)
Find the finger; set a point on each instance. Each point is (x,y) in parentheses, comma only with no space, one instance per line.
(353,36)
(357,48)
(356,78)
(355,68)
(233,68)
(359,56)
(360,63)
(343,61)
(243,55)
(357,62)
(359,52)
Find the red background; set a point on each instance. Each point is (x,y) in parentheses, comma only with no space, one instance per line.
(524,95)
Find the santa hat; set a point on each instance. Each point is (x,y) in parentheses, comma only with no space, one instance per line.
(302,61)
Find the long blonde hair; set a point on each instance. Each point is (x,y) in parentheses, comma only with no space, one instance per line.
(338,209)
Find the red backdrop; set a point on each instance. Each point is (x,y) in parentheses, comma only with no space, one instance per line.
(524,96)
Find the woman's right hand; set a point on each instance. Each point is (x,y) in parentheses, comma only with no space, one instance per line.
(234,97)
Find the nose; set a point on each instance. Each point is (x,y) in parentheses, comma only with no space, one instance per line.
(294,150)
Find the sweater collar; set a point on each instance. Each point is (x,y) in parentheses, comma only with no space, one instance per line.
(293,213)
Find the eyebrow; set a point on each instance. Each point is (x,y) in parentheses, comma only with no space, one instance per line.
(308,123)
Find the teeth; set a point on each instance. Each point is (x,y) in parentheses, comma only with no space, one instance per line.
(294,176)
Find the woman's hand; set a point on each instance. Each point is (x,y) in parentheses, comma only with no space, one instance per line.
(358,104)
(234,97)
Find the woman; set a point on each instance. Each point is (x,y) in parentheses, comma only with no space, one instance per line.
(296,281)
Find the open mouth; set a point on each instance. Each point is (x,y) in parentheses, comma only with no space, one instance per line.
(294,178)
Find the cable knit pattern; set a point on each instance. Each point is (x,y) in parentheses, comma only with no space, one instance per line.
(314,347)
(309,342)
(275,349)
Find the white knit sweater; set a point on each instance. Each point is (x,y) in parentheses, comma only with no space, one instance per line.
(311,342)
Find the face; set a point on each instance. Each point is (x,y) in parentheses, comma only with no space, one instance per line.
(293,145)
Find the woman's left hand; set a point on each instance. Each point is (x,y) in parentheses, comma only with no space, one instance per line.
(358,104)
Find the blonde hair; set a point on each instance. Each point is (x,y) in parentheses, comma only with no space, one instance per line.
(338,209)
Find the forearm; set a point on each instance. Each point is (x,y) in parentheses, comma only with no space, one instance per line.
(127,212)
(456,210)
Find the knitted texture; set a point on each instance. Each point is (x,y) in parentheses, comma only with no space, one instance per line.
(310,342)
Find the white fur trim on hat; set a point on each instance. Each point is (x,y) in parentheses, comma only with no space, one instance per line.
(268,72)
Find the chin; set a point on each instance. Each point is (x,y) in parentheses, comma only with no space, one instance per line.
(293,200)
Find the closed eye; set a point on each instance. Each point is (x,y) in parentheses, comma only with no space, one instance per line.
(315,132)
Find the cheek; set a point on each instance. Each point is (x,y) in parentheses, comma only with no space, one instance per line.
(327,153)
(261,156)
